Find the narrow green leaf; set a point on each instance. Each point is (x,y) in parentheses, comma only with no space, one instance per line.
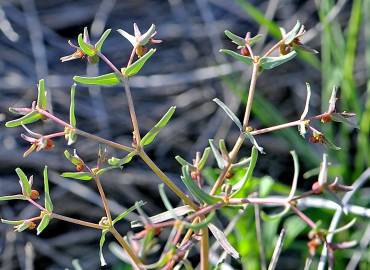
(75,160)
(222,240)
(48,202)
(72,117)
(245,59)
(290,36)
(24,120)
(251,138)
(26,187)
(183,162)
(113,161)
(204,158)
(235,38)
(198,193)
(229,112)
(272,62)
(295,176)
(128,211)
(102,39)
(136,66)
(217,155)
(13,197)
(109,79)
(149,137)
(204,223)
(101,244)
(12,222)
(248,175)
(41,96)
(344,227)
(85,176)
(343,118)
(43,224)
(86,48)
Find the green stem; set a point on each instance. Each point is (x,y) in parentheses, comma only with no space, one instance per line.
(131,253)
(166,180)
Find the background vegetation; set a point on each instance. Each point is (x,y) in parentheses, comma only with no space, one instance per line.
(187,72)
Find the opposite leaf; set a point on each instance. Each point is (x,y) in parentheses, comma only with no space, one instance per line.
(245,59)
(24,120)
(109,79)
(43,223)
(102,39)
(41,96)
(85,176)
(48,203)
(137,66)
(86,48)
(23,180)
(149,137)
(272,62)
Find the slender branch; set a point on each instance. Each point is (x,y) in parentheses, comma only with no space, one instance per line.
(132,55)
(277,127)
(204,246)
(131,253)
(166,180)
(130,102)
(77,221)
(252,88)
(103,198)
(277,250)
(54,135)
(273,48)
(259,237)
(302,216)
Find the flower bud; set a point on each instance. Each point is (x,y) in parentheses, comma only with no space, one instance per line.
(317,188)
(80,167)
(31,225)
(34,194)
(244,51)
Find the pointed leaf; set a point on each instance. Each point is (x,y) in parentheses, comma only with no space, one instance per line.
(245,59)
(295,176)
(204,223)
(349,119)
(128,211)
(272,217)
(119,162)
(43,224)
(204,158)
(290,36)
(85,176)
(13,197)
(102,39)
(24,120)
(101,244)
(235,39)
(197,192)
(217,155)
(255,39)
(149,137)
(75,160)
(129,37)
(72,117)
(48,202)
(26,187)
(344,227)
(248,175)
(253,141)
(137,66)
(183,162)
(109,79)
(229,113)
(272,62)
(330,145)
(145,38)
(86,48)
(12,222)
(222,240)
(41,96)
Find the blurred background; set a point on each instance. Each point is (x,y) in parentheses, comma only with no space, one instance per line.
(187,71)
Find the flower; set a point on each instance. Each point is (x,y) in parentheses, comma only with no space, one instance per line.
(292,40)
(139,41)
(38,142)
(76,55)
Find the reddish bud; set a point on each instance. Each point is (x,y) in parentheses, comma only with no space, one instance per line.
(34,194)
(244,51)
(49,144)
(326,118)
(80,167)
(32,225)
(317,188)
(313,245)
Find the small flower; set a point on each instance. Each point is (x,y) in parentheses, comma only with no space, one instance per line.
(292,40)
(76,55)
(37,144)
(139,41)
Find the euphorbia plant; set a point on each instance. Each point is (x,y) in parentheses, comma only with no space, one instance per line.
(193,220)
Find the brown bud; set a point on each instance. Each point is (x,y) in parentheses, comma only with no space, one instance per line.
(32,225)
(244,51)
(285,49)
(195,175)
(313,245)
(80,167)
(229,174)
(34,194)
(49,144)
(317,188)
(326,118)
(140,51)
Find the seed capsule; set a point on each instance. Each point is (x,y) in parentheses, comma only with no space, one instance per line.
(317,188)
(80,167)
(32,225)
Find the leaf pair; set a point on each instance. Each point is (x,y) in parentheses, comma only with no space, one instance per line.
(31,116)
(112,79)
(86,47)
